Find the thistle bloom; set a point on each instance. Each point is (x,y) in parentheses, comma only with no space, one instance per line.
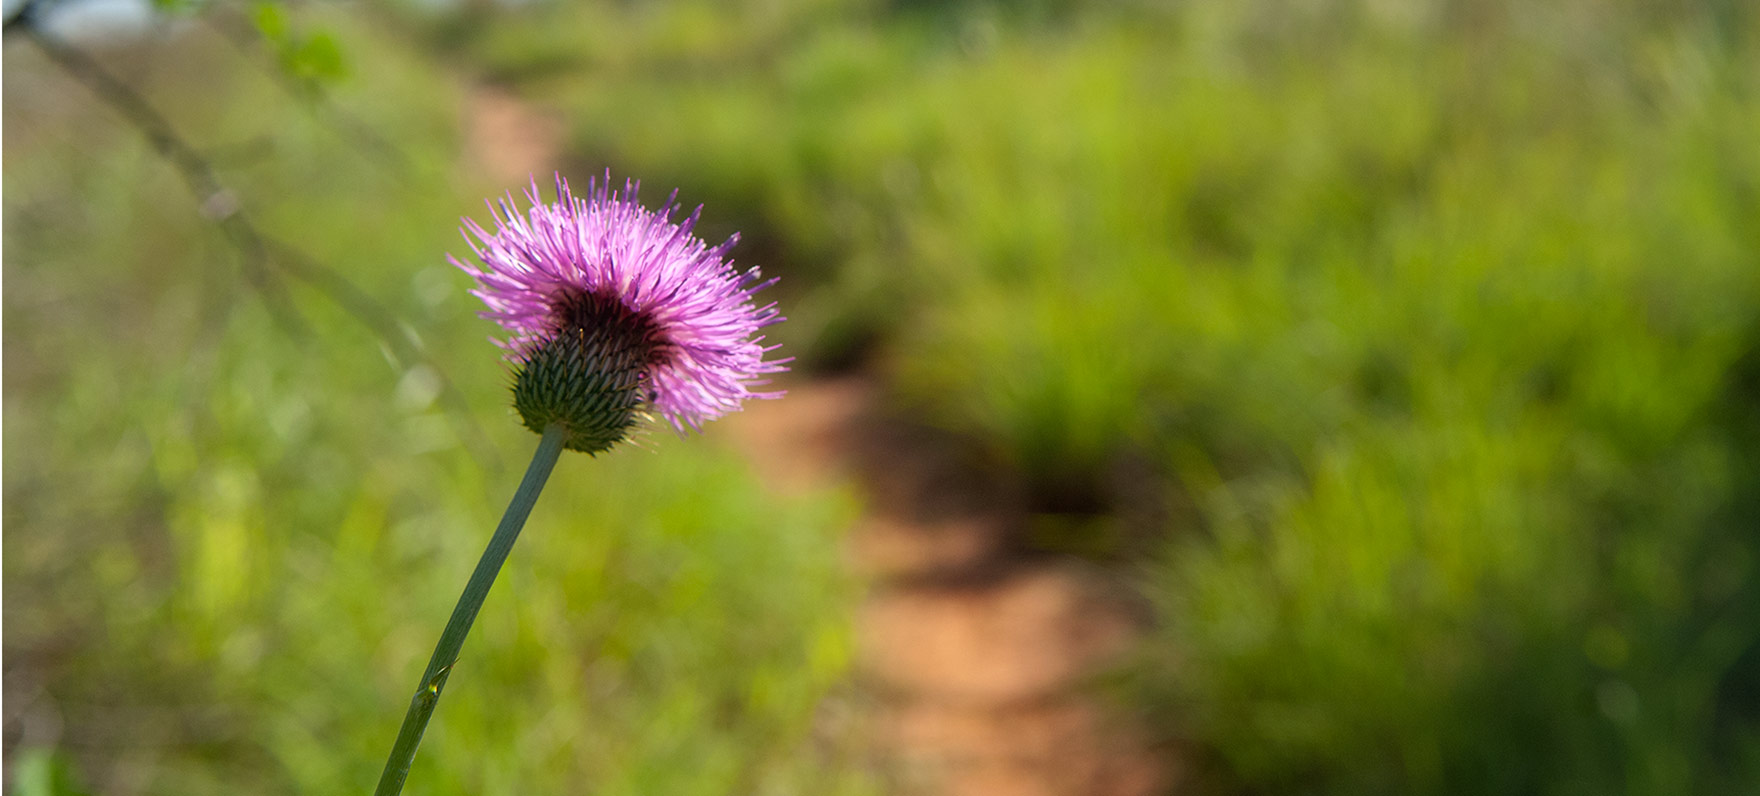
(613,310)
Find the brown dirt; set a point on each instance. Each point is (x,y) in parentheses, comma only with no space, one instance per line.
(508,139)
(976,652)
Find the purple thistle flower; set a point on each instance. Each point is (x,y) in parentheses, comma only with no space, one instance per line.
(612,309)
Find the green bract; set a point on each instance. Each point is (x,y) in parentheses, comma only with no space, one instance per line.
(588,377)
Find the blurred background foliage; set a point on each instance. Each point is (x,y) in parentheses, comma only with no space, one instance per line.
(1405,356)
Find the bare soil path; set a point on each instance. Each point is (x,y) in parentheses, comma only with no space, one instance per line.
(977,652)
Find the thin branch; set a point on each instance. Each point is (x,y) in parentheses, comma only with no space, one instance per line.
(247,41)
(220,205)
(381,321)
(217,203)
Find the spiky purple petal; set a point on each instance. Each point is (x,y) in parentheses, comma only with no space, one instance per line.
(606,244)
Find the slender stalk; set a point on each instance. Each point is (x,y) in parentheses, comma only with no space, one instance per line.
(421,707)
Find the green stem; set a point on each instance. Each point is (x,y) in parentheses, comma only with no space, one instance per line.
(421,707)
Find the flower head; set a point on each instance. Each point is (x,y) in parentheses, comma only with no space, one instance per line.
(613,309)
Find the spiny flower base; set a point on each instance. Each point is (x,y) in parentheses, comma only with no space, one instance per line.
(588,377)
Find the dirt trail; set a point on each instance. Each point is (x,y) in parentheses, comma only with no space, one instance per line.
(976,652)
(508,139)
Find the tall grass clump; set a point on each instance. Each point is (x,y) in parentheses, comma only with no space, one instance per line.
(1444,340)
(1433,327)
(230,537)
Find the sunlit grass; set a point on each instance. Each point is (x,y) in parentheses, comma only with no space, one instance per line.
(1432,325)
(231,542)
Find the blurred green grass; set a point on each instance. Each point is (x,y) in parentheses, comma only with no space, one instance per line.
(1432,328)
(1438,323)
(231,546)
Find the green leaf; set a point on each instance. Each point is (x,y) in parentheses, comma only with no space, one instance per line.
(319,58)
(271,21)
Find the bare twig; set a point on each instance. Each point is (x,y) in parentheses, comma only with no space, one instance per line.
(260,254)
(403,347)
(216,202)
(247,41)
